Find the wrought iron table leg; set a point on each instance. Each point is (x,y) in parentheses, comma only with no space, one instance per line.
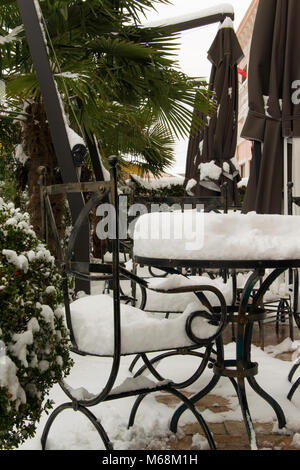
(188,404)
(182,408)
(246,413)
(253,383)
(243,367)
(262,393)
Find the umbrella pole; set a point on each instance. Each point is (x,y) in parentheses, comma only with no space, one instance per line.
(285,193)
(285,176)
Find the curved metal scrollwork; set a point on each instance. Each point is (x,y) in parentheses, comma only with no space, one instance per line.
(220,319)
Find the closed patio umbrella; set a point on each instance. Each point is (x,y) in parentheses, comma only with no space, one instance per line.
(274,111)
(212,148)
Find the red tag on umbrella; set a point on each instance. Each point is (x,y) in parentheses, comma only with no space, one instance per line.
(242,72)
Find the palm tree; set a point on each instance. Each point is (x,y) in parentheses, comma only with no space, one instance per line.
(119,83)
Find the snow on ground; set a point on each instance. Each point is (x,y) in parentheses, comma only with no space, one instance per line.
(73,431)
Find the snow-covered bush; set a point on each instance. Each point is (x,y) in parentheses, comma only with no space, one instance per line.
(34,342)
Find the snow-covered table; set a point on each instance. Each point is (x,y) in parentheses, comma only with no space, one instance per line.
(194,238)
(210,240)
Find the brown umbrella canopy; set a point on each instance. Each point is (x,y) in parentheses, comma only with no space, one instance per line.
(274,110)
(215,144)
(193,154)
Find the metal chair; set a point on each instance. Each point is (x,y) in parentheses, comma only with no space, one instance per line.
(295,276)
(113,318)
(290,378)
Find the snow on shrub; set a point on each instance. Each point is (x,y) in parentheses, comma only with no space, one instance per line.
(34,342)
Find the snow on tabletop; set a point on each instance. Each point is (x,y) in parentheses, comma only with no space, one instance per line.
(212,236)
(92,320)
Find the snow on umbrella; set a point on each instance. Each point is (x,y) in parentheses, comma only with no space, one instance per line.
(274,110)
(211,150)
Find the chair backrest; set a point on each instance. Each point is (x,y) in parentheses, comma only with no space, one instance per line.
(215,203)
(207,203)
(82,269)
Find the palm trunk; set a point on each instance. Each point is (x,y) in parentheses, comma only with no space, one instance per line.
(37,143)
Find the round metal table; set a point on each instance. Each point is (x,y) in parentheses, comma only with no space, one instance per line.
(243,313)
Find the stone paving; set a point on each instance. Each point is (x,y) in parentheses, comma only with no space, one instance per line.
(231,435)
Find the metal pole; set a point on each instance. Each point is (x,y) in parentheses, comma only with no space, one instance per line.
(202,18)
(32,20)
(285,176)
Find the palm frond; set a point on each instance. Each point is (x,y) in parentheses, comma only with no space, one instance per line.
(22,87)
(126,78)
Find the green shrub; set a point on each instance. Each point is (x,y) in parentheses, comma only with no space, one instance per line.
(173,190)
(34,342)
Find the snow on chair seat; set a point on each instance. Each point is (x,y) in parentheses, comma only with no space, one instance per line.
(160,301)
(92,320)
